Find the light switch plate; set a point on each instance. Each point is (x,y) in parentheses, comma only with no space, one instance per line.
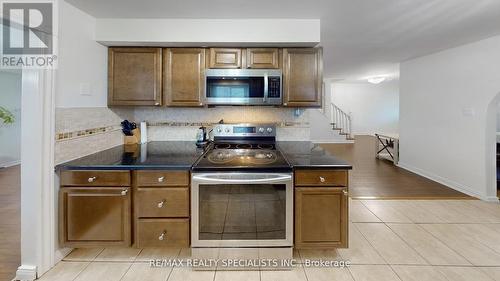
(468,111)
(85,89)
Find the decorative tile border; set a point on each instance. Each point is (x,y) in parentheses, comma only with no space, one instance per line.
(85,133)
(199,124)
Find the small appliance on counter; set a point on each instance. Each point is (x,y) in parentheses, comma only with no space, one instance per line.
(202,137)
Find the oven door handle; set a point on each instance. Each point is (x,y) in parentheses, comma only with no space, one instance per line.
(236,178)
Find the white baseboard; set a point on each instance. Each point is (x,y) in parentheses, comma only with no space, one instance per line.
(332,141)
(26,273)
(444,181)
(10,163)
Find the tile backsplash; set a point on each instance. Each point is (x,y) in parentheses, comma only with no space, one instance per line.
(83,131)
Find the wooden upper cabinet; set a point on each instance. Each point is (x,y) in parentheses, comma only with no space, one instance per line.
(184,76)
(225,58)
(262,58)
(302,77)
(134,76)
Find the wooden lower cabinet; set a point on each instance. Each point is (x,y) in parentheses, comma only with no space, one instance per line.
(162,233)
(94,216)
(162,202)
(321,217)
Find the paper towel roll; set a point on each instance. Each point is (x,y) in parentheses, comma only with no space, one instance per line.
(144,132)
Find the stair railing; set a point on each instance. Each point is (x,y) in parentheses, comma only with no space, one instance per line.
(341,120)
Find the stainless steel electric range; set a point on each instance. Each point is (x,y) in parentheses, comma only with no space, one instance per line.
(242,190)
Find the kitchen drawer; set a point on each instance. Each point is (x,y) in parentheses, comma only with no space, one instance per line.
(162,232)
(321,178)
(95,178)
(162,202)
(162,178)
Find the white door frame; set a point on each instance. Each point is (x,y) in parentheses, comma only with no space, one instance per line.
(38,189)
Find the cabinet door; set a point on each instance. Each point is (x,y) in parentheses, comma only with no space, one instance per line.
(321,217)
(94,216)
(225,58)
(262,58)
(303,77)
(134,76)
(184,72)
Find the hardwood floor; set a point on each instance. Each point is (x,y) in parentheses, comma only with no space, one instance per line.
(375,178)
(10,221)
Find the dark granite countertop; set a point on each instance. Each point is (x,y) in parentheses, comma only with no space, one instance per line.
(161,155)
(165,155)
(304,154)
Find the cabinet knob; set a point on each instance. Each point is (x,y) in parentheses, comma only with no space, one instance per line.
(91,179)
(321,179)
(160,205)
(345,192)
(124,192)
(162,235)
(161,179)
(157,103)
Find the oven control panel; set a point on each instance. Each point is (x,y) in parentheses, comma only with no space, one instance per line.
(244,130)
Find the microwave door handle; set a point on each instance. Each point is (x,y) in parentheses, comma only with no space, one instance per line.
(266,88)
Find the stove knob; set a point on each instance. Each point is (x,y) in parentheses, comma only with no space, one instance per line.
(227,130)
(269,130)
(219,130)
(261,130)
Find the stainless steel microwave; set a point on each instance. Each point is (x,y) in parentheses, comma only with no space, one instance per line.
(243,87)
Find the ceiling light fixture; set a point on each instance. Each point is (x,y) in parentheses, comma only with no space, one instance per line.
(376,79)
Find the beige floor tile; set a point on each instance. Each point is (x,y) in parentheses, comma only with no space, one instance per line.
(143,271)
(311,254)
(296,256)
(148,254)
(411,210)
(384,211)
(359,213)
(392,248)
(296,274)
(227,255)
(492,208)
(418,273)
(483,234)
(478,215)
(471,249)
(494,226)
(104,271)
(492,272)
(448,213)
(64,271)
(328,274)
(429,247)
(188,274)
(199,253)
(463,273)
(83,254)
(360,251)
(118,254)
(373,273)
(248,275)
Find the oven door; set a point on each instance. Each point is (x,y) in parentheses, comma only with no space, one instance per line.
(242,210)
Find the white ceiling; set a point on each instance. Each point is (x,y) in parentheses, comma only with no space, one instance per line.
(360,37)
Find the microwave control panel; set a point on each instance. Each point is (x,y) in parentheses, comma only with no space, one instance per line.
(273,87)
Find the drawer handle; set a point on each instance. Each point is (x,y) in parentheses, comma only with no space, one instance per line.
(162,235)
(91,179)
(124,192)
(160,205)
(161,179)
(321,179)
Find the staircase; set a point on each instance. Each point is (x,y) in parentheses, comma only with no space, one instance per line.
(341,121)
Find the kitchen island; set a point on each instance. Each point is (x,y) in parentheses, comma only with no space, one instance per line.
(139,196)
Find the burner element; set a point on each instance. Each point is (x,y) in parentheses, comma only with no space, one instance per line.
(244,146)
(265,146)
(223,145)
